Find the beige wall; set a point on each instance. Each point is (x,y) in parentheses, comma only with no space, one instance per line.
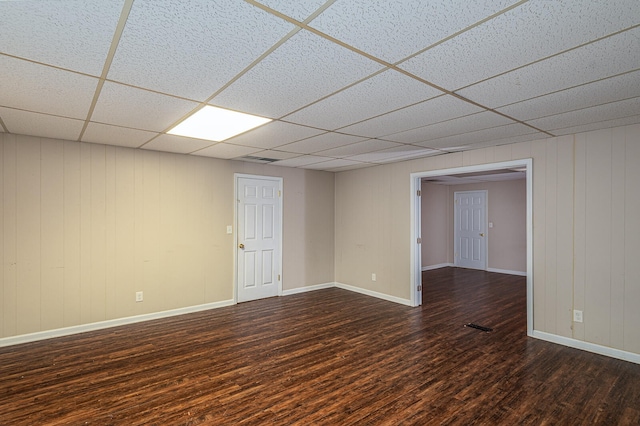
(507,210)
(436,222)
(85,226)
(585,204)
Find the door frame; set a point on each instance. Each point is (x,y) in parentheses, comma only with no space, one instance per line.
(236,178)
(415,259)
(485,239)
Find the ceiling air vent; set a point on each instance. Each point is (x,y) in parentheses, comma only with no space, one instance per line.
(255,159)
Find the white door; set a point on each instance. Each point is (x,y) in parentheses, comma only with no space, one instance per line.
(470,243)
(258,237)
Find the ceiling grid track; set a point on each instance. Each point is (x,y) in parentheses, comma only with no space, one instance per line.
(400,70)
(122,22)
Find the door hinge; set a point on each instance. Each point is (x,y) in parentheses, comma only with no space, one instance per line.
(419,193)
(419,240)
(279,193)
(419,288)
(278,277)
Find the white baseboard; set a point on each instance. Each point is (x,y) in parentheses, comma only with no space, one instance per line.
(438,266)
(308,288)
(349,288)
(506,271)
(589,347)
(42,335)
(500,271)
(374,294)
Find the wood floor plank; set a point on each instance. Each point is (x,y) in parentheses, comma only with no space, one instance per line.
(325,357)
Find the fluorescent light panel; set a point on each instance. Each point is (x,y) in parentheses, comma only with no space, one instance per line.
(216,124)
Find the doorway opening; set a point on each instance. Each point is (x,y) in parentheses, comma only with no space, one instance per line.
(525,166)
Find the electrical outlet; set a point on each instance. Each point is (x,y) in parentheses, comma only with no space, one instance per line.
(577,315)
(373,277)
(138,296)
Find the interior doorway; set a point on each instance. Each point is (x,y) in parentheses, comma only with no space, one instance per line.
(258,223)
(416,242)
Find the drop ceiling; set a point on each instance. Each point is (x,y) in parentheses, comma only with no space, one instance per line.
(347,83)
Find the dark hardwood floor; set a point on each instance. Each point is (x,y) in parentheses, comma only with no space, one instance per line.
(328,357)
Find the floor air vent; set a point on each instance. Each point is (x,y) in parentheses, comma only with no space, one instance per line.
(478,327)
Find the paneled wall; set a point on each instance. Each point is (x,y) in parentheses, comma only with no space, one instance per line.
(85,226)
(607,228)
(585,225)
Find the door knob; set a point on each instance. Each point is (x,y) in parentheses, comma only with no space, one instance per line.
(241,246)
(482,234)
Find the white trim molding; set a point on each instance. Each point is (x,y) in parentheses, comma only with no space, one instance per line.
(506,271)
(415,266)
(306,289)
(589,347)
(347,287)
(374,294)
(76,329)
(438,266)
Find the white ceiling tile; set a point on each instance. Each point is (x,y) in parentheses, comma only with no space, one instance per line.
(332,164)
(301,161)
(607,124)
(320,143)
(529,32)
(614,110)
(113,135)
(393,30)
(226,151)
(273,134)
(586,64)
(299,10)
(382,93)
(299,72)
(364,147)
(393,154)
(139,109)
(192,48)
(408,155)
(357,165)
(422,114)
(177,144)
(478,136)
(498,142)
(600,92)
(65,33)
(39,88)
(468,123)
(278,155)
(42,125)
